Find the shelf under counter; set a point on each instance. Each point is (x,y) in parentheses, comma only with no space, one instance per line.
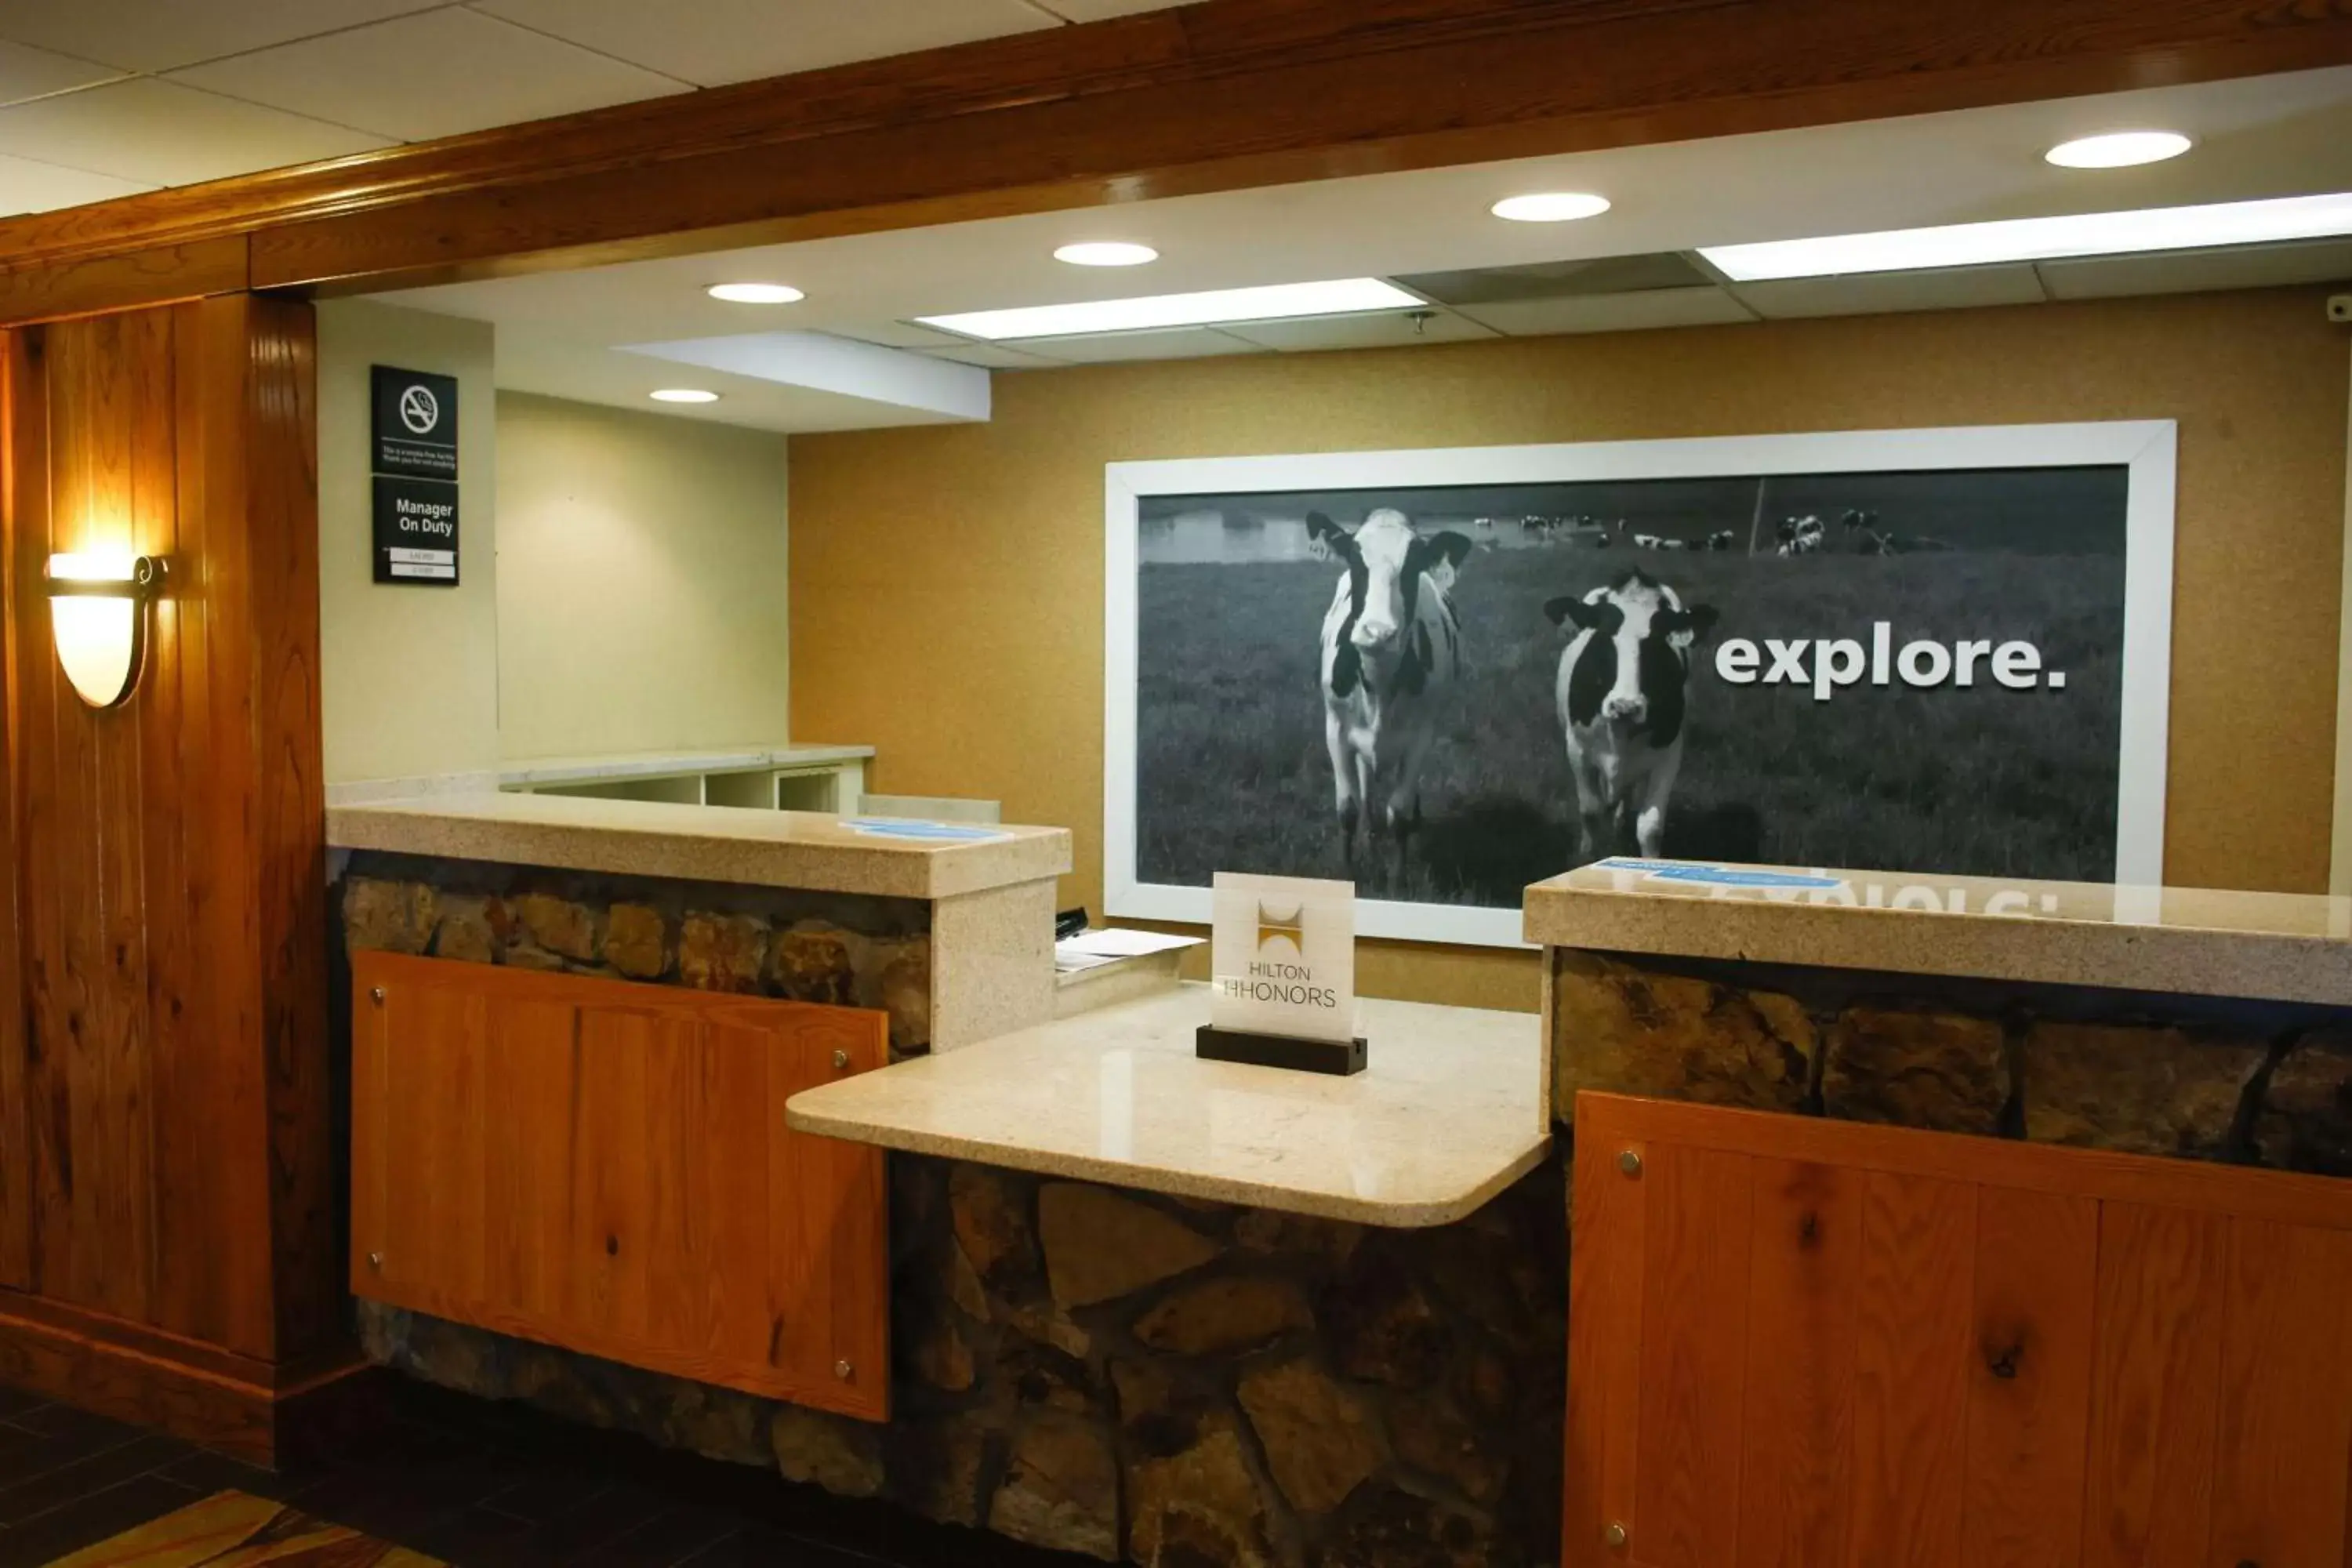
(1450,1112)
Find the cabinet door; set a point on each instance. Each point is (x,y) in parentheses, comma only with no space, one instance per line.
(1797,1343)
(606,1167)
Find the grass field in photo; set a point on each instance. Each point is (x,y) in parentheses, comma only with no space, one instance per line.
(1232,773)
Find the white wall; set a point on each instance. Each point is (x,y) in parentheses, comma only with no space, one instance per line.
(409,674)
(642,581)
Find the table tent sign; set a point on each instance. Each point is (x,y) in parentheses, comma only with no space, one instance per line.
(1282,959)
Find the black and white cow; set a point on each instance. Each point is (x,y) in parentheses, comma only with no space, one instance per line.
(1622,693)
(1391,650)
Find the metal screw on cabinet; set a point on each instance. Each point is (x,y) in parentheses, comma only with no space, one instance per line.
(1615,1535)
(375,1260)
(842,1370)
(1630,1162)
(375,994)
(840,1061)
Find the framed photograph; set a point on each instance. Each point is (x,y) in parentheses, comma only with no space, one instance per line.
(1447,674)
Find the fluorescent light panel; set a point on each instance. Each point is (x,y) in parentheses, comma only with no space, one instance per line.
(1272,302)
(2039,238)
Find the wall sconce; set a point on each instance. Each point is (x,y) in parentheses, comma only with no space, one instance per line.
(98,613)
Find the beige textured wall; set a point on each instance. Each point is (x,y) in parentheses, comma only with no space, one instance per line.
(408,676)
(642,581)
(946,584)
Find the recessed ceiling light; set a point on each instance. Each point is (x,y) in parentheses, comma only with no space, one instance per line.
(755,293)
(1106,253)
(1551,206)
(1273,302)
(2118,149)
(2040,238)
(683,394)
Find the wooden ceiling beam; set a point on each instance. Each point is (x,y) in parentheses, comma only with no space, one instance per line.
(1223,95)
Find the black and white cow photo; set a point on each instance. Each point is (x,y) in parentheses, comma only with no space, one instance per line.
(1448,693)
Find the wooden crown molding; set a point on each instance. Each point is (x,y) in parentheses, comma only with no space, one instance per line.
(1223,95)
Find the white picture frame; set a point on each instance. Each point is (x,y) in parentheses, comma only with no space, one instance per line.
(2148,448)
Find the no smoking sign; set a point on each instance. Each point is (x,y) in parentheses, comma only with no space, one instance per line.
(416,424)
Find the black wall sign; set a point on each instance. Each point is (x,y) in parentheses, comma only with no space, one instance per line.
(416,424)
(415,531)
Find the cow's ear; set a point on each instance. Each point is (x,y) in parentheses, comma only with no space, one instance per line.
(1327,539)
(1443,555)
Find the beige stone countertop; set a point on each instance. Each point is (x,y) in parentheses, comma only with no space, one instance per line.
(701,843)
(1450,1111)
(2274,947)
(670,764)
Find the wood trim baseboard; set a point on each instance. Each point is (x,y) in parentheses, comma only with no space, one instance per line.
(256,1411)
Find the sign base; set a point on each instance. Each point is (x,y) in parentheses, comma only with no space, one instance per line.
(1339,1058)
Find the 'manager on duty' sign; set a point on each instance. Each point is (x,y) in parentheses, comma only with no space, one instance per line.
(413,452)
(416,531)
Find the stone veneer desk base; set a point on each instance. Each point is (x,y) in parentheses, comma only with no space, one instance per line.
(1450,1112)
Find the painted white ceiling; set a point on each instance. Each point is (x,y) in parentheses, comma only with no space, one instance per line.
(107,98)
(2270,136)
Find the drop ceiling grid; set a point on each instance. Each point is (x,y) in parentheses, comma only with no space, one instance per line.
(106,97)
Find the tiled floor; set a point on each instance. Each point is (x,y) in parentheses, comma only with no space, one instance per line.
(475,1484)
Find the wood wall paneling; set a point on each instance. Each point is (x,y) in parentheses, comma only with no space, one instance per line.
(170,1188)
(606,1167)
(1952,1350)
(1216,96)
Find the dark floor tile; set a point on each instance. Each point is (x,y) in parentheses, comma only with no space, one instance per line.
(765,1548)
(91,1520)
(67,1423)
(397,1499)
(209,1472)
(665,1540)
(563,1540)
(55,1436)
(22,1500)
(548,1491)
(14,1401)
(475,1537)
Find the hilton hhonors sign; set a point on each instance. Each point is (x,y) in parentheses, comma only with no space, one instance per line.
(1284,952)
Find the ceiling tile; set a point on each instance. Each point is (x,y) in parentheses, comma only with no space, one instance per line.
(1105,348)
(1097,10)
(900,335)
(29,187)
(1613,312)
(438,74)
(719,41)
(994,356)
(28,72)
(1389,330)
(1881,293)
(161,133)
(161,35)
(2189,271)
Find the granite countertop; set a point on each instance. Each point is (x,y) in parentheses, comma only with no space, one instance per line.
(1450,1111)
(702,843)
(2274,947)
(671,764)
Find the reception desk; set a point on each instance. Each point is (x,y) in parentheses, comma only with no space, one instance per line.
(2112,1321)
(1100,1296)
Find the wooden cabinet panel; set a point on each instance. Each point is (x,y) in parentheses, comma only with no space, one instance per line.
(605,1166)
(1910,1354)
(1801,1296)
(1687,1463)
(2149,1503)
(2287,1397)
(1795,1341)
(2036,1283)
